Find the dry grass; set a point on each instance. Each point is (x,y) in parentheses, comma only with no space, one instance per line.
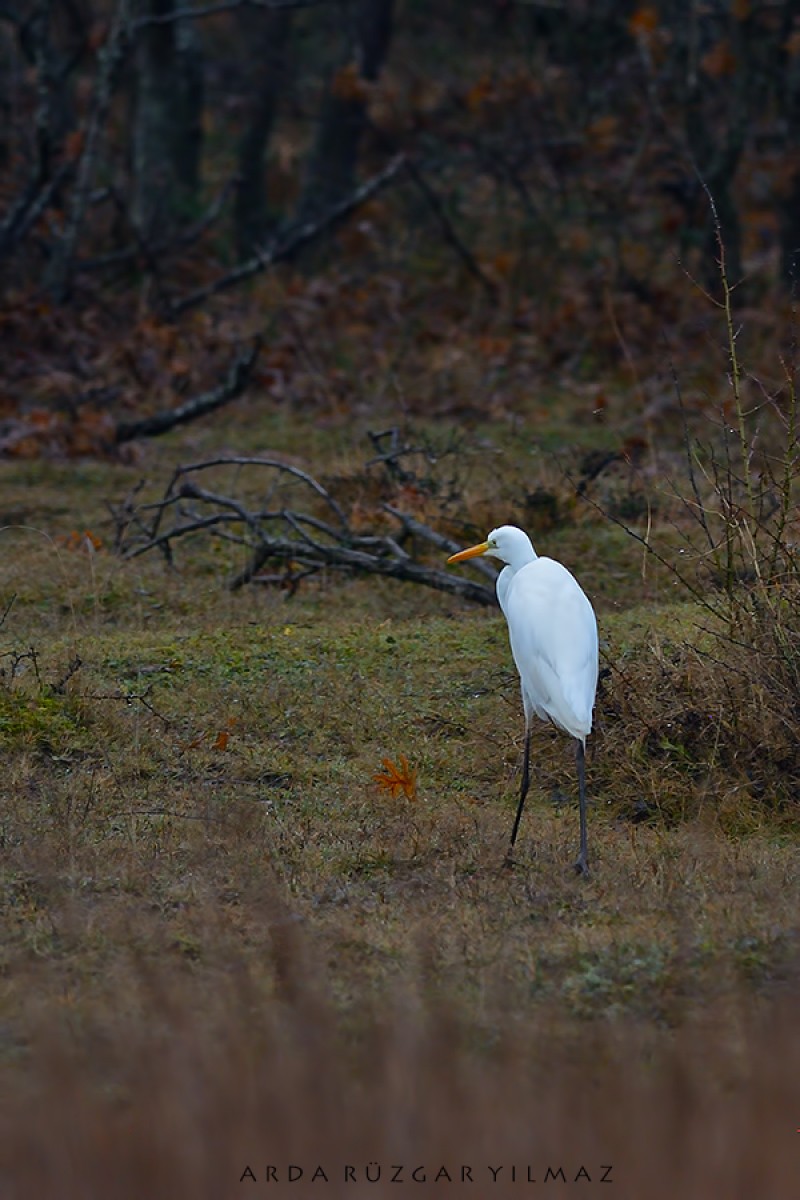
(178,1093)
(225,945)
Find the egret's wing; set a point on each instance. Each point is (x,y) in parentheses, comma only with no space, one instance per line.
(502,584)
(553,634)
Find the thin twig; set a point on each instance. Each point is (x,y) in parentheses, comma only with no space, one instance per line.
(72,669)
(7,609)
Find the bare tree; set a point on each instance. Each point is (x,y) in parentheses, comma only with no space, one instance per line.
(167,130)
(333,161)
(267,36)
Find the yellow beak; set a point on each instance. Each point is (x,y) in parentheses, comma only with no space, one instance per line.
(473,552)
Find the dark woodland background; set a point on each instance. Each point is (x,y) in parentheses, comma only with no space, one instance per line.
(546,165)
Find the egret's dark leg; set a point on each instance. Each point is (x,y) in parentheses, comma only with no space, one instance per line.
(582,864)
(526,779)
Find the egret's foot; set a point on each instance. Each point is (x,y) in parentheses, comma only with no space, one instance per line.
(582,865)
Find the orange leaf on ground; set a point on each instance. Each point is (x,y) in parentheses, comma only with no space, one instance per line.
(84,540)
(397,779)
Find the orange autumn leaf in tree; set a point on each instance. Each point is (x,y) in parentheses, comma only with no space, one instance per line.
(477,96)
(602,132)
(348,84)
(397,779)
(720,60)
(73,144)
(644,21)
(494,347)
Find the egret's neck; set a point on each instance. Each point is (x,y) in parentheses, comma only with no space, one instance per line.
(519,556)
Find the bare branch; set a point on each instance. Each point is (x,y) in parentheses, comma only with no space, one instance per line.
(181,241)
(61,263)
(31,207)
(237,379)
(241,460)
(448,229)
(286,245)
(7,609)
(73,667)
(413,526)
(300,541)
(41,185)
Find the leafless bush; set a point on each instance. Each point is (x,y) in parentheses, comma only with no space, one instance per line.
(718,711)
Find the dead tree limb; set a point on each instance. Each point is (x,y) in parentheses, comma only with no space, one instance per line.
(286,245)
(234,384)
(296,526)
(157,249)
(449,231)
(29,208)
(41,184)
(59,271)
(414,527)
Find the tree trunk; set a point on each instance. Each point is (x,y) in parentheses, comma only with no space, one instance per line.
(789,100)
(268,34)
(167,134)
(716,114)
(333,161)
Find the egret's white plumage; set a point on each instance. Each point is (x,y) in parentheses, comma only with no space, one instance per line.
(553,634)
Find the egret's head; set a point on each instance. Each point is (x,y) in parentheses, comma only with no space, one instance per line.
(509,544)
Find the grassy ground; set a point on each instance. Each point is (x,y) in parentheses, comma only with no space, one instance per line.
(214,912)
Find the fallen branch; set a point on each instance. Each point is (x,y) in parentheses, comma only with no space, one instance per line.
(234,384)
(414,527)
(298,527)
(286,245)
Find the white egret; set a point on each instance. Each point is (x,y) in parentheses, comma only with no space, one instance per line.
(553,634)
